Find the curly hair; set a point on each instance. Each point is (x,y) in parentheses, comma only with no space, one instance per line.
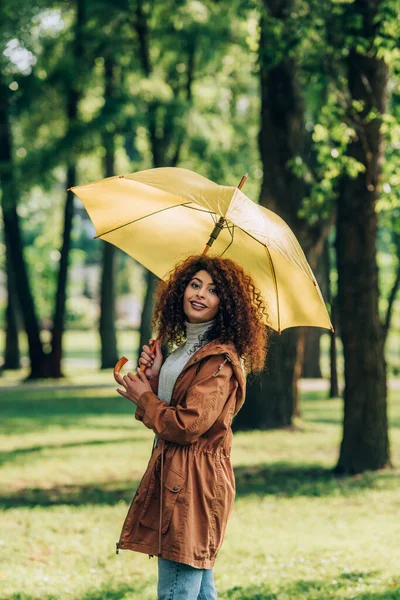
(240,315)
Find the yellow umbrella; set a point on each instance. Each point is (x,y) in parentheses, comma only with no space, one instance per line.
(160,216)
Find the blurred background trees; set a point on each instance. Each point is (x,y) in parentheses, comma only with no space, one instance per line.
(302,95)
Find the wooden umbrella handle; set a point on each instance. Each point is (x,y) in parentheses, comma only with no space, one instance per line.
(117,369)
(152,349)
(123,360)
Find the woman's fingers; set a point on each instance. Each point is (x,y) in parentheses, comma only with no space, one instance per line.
(119,378)
(145,360)
(147,352)
(128,378)
(141,375)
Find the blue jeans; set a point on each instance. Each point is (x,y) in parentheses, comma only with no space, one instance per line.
(177,581)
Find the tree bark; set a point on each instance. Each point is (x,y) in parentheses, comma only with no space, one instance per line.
(148,307)
(332,301)
(365,443)
(269,397)
(108,336)
(298,368)
(393,291)
(73,97)
(14,243)
(107,330)
(334,382)
(61,293)
(312,354)
(12,355)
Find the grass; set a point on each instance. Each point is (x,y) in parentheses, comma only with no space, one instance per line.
(81,345)
(70,461)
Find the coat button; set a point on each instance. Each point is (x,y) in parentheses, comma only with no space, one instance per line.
(176,488)
(121,543)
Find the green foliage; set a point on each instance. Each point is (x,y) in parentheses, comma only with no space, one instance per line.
(189,91)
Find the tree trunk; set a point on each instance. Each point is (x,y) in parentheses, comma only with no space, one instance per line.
(14,244)
(147,311)
(298,367)
(108,335)
(61,294)
(334,382)
(12,356)
(332,301)
(312,354)
(73,97)
(269,397)
(365,443)
(109,354)
(393,292)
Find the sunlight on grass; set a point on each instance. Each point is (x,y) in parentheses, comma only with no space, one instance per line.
(71,459)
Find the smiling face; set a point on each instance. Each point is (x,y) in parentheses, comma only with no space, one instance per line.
(200,300)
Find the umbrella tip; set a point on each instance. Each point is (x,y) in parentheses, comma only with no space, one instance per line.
(243,181)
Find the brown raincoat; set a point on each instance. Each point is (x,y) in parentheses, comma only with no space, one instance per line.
(191,463)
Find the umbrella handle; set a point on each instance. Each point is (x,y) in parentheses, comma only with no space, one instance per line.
(118,367)
(123,360)
(152,349)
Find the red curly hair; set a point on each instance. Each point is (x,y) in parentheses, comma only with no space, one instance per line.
(240,315)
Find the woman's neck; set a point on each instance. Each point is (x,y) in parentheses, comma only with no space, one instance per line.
(194,331)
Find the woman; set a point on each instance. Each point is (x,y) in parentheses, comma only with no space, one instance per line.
(212,311)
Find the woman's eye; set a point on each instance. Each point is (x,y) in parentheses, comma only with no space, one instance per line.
(195,285)
(213,290)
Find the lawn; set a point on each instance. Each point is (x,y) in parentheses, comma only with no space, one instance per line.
(70,460)
(85,346)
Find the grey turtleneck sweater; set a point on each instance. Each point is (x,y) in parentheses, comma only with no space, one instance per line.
(175,362)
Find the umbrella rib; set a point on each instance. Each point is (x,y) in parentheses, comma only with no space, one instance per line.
(141,218)
(199,209)
(232,236)
(272,269)
(276,287)
(266,245)
(273,274)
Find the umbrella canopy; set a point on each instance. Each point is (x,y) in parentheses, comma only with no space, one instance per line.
(161,216)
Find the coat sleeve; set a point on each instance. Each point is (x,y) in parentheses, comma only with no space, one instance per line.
(139,410)
(203,404)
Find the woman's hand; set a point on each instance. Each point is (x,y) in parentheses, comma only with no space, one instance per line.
(152,360)
(134,385)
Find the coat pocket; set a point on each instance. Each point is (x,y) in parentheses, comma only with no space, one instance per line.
(173,485)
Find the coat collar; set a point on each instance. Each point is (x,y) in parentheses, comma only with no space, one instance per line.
(216,347)
(227,349)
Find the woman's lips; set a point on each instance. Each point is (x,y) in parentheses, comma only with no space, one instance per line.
(197,305)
